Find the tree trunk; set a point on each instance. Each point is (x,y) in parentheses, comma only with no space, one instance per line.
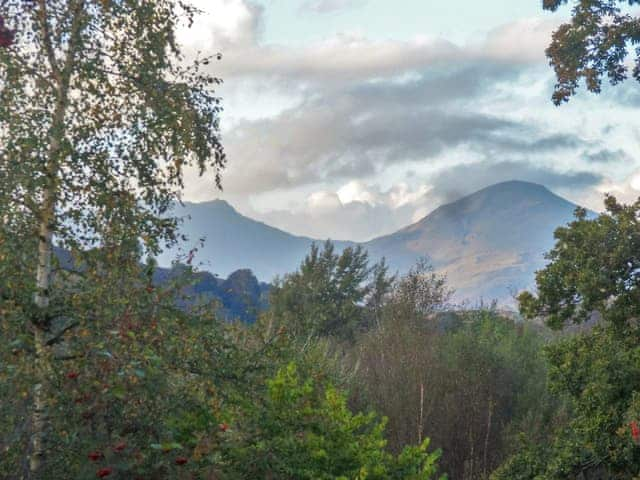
(40,415)
(61,74)
(421,415)
(487,436)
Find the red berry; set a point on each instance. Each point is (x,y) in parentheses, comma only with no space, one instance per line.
(635,431)
(181,460)
(72,375)
(119,447)
(95,456)
(104,472)
(223,427)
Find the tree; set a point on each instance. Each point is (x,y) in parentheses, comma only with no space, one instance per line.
(97,106)
(595,44)
(416,295)
(467,380)
(592,273)
(326,296)
(303,429)
(593,267)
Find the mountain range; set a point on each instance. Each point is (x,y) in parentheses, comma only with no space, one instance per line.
(489,244)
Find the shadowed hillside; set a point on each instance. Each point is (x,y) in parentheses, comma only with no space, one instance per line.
(233,242)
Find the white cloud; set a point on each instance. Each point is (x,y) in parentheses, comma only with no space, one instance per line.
(354,211)
(223,24)
(356,191)
(333,117)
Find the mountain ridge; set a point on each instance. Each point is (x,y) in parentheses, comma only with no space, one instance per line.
(488,243)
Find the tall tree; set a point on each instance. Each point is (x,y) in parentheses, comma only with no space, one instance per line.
(593,45)
(593,269)
(328,293)
(97,103)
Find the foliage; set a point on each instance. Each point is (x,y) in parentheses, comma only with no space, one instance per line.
(594,44)
(593,268)
(416,295)
(304,430)
(326,295)
(118,366)
(599,374)
(470,381)
(100,115)
(240,296)
(96,103)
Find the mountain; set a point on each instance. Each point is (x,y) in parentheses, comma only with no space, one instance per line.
(233,241)
(488,243)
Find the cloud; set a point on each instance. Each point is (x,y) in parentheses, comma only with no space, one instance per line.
(455,182)
(224,25)
(606,156)
(329,6)
(235,28)
(360,131)
(356,211)
(323,124)
(359,211)
(521,41)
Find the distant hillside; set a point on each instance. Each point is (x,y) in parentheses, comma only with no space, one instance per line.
(234,242)
(240,296)
(488,243)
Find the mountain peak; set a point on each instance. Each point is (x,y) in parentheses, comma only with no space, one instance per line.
(217,205)
(521,185)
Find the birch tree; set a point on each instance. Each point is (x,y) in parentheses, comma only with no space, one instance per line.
(97,103)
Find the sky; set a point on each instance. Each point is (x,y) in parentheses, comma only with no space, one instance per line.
(350,119)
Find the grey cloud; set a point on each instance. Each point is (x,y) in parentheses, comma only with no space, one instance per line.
(349,57)
(606,156)
(455,182)
(358,131)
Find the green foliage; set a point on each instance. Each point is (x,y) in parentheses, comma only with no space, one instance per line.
(137,117)
(326,295)
(99,116)
(599,374)
(593,45)
(593,267)
(416,295)
(304,430)
(470,381)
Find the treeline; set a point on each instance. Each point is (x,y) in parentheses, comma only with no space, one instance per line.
(240,296)
(138,386)
(470,380)
(145,379)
